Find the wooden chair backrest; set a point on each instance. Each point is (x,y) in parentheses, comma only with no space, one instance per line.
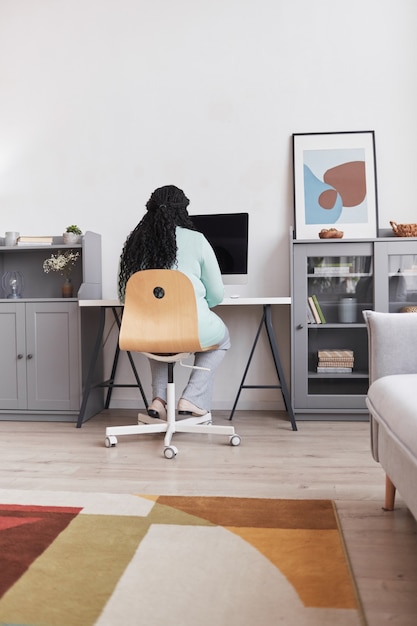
(160,313)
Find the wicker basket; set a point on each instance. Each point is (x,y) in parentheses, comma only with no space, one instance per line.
(404,230)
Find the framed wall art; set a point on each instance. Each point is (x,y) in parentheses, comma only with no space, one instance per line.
(335,184)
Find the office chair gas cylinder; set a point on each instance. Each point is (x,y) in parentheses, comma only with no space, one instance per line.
(160,320)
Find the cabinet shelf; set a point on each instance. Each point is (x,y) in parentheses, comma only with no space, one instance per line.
(52,246)
(329,325)
(346,275)
(338,375)
(58,299)
(411,274)
(28,260)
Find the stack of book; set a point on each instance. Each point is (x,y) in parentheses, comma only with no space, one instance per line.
(335,361)
(35,240)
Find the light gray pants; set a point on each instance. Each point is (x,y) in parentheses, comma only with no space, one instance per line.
(199,389)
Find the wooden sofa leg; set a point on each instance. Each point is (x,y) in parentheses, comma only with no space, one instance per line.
(389,494)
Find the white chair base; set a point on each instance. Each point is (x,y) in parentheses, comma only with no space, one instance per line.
(201,425)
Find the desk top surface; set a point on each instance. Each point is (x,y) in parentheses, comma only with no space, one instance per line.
(226,302)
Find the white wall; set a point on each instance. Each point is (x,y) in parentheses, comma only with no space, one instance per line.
(101,101)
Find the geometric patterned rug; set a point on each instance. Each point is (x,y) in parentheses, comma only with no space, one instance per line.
(94,559)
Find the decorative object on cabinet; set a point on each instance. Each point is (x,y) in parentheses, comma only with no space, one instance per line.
(331,233)
(11,238)
(335,184)
(347,310)
(72,235)
(62,262)
(67,288)
(13,284)
(404,230)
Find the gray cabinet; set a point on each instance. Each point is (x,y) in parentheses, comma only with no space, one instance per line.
(330,358)
(44,338)
(40,356)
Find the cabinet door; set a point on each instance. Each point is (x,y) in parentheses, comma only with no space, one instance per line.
(52,356)
(396,263)
(12,356)
(340,276)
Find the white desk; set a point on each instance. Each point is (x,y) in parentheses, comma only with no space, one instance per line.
(266,321)
(226,302)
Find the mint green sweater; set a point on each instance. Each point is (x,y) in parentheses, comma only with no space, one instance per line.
(197,260)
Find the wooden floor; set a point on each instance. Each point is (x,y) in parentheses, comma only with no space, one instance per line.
(321,460)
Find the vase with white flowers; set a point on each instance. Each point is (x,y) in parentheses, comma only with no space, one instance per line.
(62,262)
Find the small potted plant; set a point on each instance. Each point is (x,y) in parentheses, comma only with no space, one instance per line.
(72,235)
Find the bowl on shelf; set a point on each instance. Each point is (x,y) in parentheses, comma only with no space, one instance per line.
(331,233)
(404,230)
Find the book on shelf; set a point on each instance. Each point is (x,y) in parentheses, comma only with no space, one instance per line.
(336,363)
(310,316)
(319,309)
(333,270)
(334,370)
(331,353)
(333,361)
(314,310)
(35,240)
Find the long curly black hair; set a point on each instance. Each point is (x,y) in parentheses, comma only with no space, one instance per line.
(152,244)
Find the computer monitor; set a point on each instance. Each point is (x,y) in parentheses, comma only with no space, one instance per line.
(228,235)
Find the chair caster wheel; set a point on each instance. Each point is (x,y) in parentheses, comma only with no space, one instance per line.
(234,440)
(110,441)
(170,452)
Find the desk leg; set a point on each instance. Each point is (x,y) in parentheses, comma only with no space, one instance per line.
(278,366)
(267,321)
(93,360)
(111,384)
(242,385)
(112,377)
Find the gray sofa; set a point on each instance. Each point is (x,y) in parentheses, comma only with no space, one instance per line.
(392,401)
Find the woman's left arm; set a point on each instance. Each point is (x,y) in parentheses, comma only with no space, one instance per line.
(211,276)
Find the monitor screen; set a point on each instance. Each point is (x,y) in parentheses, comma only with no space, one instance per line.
(228,235)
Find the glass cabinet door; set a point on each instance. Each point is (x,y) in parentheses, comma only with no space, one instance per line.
(396,263)
(341,286)
(402,282)
(333,284)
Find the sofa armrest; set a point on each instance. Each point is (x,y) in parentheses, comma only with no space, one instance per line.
(392,343)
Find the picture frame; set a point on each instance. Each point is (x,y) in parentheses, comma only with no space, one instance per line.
(335,184)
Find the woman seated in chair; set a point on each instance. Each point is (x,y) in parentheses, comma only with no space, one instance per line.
(165,238)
